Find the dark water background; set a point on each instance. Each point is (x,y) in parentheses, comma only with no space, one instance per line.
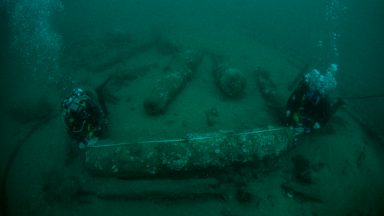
(301,28)
(37,37)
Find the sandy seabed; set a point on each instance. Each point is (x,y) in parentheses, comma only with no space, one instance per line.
(337,171)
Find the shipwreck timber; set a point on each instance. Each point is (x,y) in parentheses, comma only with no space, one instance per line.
(196,153)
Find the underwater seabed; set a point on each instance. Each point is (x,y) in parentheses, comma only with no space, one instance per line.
(337,171)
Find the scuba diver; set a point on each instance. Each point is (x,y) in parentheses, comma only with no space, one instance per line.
(84,119)
(309,107)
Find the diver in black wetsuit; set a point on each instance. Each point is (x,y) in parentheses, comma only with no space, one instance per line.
(83,117)
(307,109)
(309,106)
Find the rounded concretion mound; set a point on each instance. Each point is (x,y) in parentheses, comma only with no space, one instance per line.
(232,82)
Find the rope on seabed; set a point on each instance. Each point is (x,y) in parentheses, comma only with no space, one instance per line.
(188,138)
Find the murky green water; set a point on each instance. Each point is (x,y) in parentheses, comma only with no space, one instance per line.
(122,51)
